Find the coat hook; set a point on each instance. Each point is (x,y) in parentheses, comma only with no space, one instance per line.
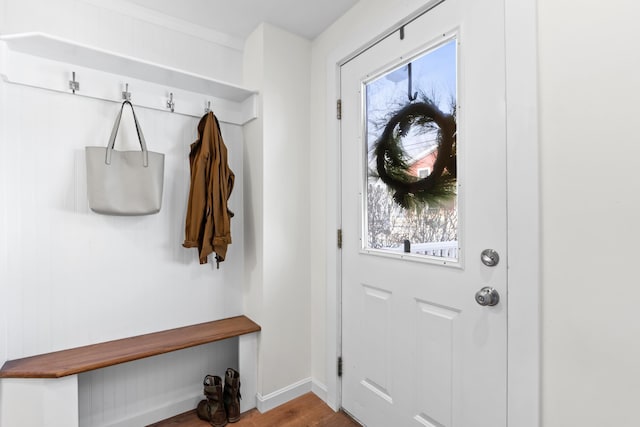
(171,103)
(73,84)
(126,95)
(208,107)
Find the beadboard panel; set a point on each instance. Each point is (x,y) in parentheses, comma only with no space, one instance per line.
(74,277)
(148,390)
(70,277)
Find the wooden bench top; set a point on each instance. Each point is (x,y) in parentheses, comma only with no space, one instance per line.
(82,359)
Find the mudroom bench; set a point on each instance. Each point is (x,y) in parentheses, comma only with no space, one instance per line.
(42,390)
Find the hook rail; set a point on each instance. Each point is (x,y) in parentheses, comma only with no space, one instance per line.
(105,76)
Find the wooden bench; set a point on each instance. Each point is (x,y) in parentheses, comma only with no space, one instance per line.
(45,386)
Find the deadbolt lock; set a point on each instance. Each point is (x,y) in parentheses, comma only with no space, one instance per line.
(490,258)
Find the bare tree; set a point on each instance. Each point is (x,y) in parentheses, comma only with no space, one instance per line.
(390,225)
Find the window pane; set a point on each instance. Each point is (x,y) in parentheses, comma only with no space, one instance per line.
(403,146)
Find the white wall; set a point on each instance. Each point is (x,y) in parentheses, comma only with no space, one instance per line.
(286,198)
(130,30)
(277,64)
(254,254)
(587,87)
(69,277)
(588,64)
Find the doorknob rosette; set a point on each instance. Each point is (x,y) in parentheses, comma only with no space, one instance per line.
(487,296)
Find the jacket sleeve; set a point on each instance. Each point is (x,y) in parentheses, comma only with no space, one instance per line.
(196,208)
(223,181)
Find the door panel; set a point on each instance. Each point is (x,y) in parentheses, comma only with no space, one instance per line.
(435,329)
(377,316)
(418,350)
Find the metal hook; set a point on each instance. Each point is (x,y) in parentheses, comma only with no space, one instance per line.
(170,103)
(415,94)
(208,107)
(73,84)
(126,95)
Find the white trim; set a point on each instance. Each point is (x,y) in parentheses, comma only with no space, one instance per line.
(4,209)
(334,222)
(523,347)
(523,214)
(163,20)
(44,61)
(284,395)
(319,389)
(427,6)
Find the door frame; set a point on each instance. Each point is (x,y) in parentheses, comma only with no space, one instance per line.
(523,211)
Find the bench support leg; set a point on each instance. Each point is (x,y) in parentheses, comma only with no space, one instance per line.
(248,355)
(36,402)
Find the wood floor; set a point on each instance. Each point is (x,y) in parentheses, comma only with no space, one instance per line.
(305,411)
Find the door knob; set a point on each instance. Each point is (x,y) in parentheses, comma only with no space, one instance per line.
(487,296)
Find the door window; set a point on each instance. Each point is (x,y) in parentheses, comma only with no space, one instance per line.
(411,205)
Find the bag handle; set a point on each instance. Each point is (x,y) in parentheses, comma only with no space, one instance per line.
(114,132)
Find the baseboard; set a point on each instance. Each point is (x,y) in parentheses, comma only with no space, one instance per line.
(319,390)
(284,395)
(153,414)
(265,403)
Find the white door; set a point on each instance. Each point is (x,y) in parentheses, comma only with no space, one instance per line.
(418,348)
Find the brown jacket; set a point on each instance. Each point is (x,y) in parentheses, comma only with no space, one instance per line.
(208,225)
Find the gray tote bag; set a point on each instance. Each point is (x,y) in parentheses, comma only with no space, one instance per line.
(124,182)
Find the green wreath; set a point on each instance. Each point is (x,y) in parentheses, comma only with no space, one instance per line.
(391,160)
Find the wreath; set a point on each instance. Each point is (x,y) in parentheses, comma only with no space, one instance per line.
(392,163)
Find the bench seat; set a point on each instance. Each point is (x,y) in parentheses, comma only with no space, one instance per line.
(87,358)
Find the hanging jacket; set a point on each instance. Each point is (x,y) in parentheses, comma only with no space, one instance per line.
(208,225)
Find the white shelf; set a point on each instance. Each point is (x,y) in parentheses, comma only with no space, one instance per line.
(25,51)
